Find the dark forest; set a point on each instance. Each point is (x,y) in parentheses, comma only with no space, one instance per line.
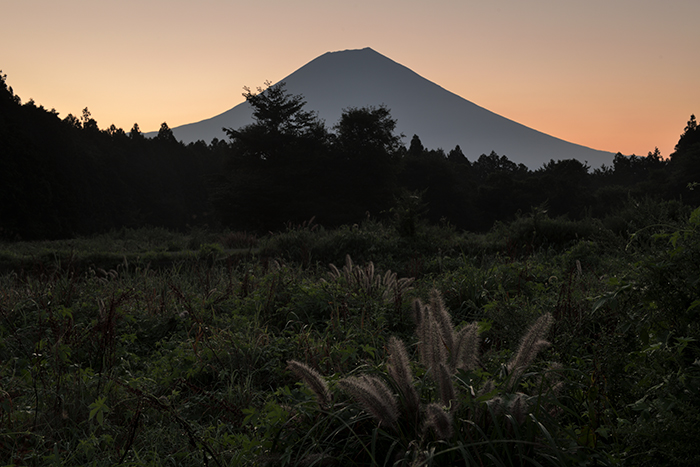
(61,178)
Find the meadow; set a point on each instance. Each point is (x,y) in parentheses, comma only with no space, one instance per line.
(544,341)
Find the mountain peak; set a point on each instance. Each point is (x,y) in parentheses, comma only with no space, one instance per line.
(365,49)
(363,77)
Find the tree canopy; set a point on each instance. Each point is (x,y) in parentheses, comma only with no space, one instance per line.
(65,177)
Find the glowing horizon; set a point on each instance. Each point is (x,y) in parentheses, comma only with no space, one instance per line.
(616,76)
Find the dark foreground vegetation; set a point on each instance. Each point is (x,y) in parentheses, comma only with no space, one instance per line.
(146,347)
(436,311)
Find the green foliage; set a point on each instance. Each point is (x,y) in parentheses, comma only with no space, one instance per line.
(98,409)
(446,416)
(408,210)
(666,363)
(151,347)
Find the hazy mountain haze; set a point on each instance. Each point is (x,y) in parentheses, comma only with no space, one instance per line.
(357,78)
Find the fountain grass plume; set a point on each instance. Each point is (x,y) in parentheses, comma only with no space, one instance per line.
(434,348)
(418,314)
(399,369)
(531,344)
(443,319)
(519,407)
(424,331)
(466,354)
(447,389)
(312,379)
(444,414)
(438,419)
(431,332)
(374,396)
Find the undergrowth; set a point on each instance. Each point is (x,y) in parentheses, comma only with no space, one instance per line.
(151,348)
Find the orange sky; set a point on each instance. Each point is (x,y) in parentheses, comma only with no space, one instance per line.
(616,75)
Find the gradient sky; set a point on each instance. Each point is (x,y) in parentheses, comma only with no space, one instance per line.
(616,75)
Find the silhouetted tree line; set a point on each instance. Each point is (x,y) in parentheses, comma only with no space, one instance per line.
(66,177)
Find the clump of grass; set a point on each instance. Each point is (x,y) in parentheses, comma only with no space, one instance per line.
(453,401)
(366,280)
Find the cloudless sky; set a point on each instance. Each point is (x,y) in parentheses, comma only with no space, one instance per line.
(616,75)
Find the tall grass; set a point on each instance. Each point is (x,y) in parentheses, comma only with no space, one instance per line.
(152,348)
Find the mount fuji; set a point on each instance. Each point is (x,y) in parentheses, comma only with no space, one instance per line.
(358,78)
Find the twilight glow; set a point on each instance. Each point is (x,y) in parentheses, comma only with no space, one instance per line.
(617,76)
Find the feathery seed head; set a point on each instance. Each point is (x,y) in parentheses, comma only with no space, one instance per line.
(374,396)
(400,370)
(519,408)
(335,273)
(551,379)
(447,389)
(404,284)
(436,353)
(312,379)
(439,420)
(531,344)
(418,314)
(467,347)
(442,317)
(495,405)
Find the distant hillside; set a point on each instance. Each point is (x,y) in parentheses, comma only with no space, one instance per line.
(442,119)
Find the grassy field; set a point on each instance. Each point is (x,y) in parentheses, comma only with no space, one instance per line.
(543,342)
